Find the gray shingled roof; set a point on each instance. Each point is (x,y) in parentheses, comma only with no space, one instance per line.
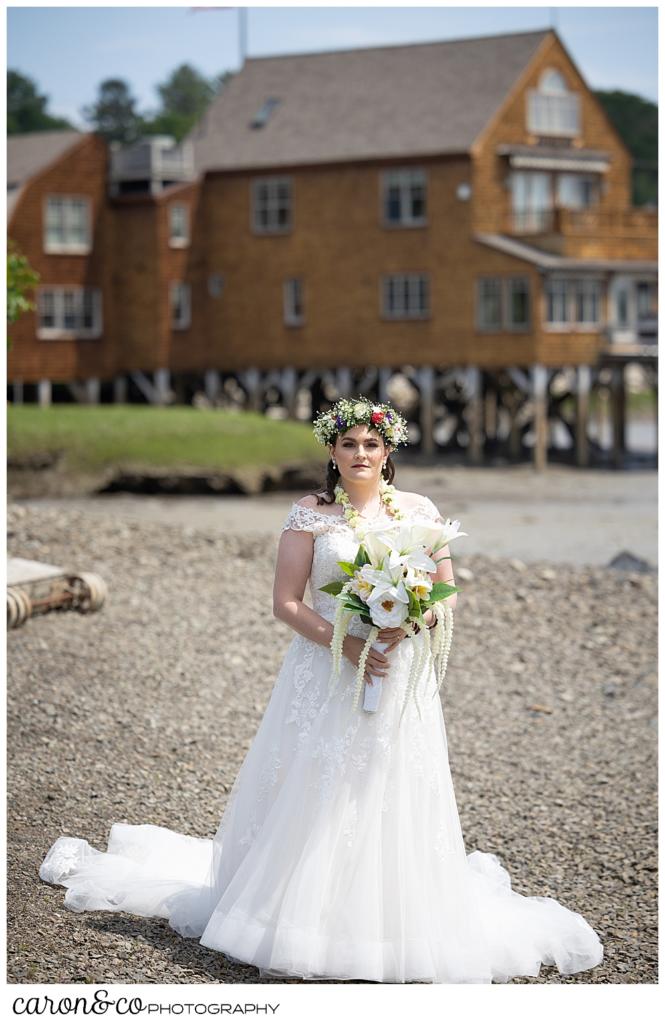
(357,104)
(30,152)
(550,261)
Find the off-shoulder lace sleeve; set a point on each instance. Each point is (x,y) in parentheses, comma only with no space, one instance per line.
(302,518)
(429,509)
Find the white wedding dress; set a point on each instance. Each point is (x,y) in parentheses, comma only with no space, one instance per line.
(340,853)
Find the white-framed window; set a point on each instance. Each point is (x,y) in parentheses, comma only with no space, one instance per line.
(535,194)
(489,303)
(293,302)
(647,301)
(178,225)
(65,311)
(622,306)
(518,304)
(587,302)
(576,191)
(405,296)
(551,108)
(531,193)
(67,224)
(404,197)
(551,81)
(271,205)
(572,302)
(503,304)
(181,311)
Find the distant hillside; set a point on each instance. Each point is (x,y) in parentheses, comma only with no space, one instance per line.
(636,121)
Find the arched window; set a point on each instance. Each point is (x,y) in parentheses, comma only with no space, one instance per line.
(552,82)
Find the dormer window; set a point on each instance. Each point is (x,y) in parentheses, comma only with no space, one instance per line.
(551,109)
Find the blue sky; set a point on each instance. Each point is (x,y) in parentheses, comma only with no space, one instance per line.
(68,51)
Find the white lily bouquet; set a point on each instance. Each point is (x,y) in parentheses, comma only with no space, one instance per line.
(389,586)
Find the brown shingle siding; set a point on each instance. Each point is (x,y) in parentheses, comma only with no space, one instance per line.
(335,139)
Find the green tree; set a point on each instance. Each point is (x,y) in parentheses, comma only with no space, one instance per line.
(114,114)
(26,109)
(636,121)
(21,279)
(185,97)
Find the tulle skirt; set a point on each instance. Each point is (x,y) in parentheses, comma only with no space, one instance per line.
(339,854)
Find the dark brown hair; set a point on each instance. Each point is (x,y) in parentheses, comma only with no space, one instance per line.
(332,477)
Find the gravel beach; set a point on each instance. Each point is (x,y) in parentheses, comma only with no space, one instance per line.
(143,712)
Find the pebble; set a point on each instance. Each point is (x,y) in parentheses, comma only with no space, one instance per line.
(140,713)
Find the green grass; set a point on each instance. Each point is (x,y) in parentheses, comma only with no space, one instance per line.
(93,437)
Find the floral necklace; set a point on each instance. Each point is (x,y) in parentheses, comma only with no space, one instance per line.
(351,513)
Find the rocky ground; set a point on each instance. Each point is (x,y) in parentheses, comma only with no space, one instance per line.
(141,713)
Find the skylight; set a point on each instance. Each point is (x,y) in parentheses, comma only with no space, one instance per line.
(261,118)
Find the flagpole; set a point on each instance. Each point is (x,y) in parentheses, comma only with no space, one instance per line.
(242,34)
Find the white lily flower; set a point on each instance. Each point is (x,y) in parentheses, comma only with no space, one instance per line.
(386,580)
(408,540)
(374,541)
(420,583)
(360,586)
(448,531)
(388,610)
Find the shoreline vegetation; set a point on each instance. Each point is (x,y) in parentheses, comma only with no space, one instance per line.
(67,450)
(91,437)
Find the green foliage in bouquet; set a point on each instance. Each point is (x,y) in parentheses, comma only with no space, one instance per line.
(417,606)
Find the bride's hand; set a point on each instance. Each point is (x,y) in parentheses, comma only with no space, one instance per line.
(391,636)
(376,664)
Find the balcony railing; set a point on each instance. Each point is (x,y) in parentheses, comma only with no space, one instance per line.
(532,222)
(155,159)
(623,223)
(630,223)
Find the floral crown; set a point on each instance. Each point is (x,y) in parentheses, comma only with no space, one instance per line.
(351,412)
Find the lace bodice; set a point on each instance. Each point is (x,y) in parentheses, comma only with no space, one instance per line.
(334,541)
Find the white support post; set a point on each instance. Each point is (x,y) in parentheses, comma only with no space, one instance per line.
(212,385)
(162,379)
(618,393)
(425,378)
(344,382)
(92,391)
(473,416)
(44,392)
(17,391)
(289,388)
(582,415)
(539,395)
(251,378)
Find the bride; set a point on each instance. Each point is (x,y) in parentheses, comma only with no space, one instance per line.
(340,853)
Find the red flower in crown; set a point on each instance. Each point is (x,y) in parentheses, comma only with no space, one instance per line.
(377,417)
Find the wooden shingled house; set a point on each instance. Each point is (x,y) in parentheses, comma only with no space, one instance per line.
(456,214)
